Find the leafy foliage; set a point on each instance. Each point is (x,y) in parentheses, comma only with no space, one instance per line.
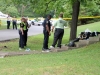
(53,7)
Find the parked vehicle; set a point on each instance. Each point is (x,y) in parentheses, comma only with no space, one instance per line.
(34,22)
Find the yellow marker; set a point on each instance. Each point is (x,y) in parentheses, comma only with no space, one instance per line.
(83,17)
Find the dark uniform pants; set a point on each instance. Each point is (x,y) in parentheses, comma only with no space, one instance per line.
(58,35)
(8,24)
(46,39)
(14,25)
(25,37)
(21,40)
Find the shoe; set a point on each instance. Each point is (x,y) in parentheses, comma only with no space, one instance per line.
(43,49)
(27,49)
(21,48)
(52,47)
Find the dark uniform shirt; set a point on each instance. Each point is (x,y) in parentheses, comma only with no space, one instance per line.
(22,25)
(46,22)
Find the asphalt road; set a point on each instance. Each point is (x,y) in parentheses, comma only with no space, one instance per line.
(12,34)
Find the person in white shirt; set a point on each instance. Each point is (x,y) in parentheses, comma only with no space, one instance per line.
(59,31)
(8,22)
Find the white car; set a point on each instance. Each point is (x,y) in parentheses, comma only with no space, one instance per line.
(34,22)
(39,22)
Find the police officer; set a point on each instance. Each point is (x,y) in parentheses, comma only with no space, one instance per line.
(8,21)
(26,31)
(59,31)
(46,32)
(22,28)
(14,23)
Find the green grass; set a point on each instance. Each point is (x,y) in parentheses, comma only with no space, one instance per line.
(82,61)
(36,42)
(3,24)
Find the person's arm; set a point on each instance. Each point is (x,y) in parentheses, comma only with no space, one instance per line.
(65,23)
(52,28)
(21,28)
(47,28)
(22,31)
(28,25)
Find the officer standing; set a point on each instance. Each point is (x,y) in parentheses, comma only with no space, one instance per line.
(22,28)
(46,32)
(8,22)
(59,31)
(26,32)
(14,23)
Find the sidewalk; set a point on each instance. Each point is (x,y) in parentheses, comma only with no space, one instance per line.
(18,53)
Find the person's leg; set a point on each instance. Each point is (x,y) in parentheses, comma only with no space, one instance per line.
(13,25)
(46,38)
(60,38)
(25,38)
(56,34)
(7,25)
(43,39)
(21,40)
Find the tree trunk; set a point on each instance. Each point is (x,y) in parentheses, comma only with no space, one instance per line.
(75,14)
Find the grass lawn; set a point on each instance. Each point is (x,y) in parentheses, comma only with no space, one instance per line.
(82,61)
(35,42)
(3,24)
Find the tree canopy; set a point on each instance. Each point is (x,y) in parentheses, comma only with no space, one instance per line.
(34,8)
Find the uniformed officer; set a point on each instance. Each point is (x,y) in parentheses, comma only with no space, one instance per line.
(8,21)
(46,32)
(26,31)
(22,28)
(59,31)
(14,23)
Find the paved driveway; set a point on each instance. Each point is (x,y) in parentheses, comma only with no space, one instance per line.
(11,34)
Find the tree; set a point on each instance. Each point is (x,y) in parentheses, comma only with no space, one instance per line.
(76,7)
(73,30)
(20,5)
(59,5)
(13,11)
(43,7)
